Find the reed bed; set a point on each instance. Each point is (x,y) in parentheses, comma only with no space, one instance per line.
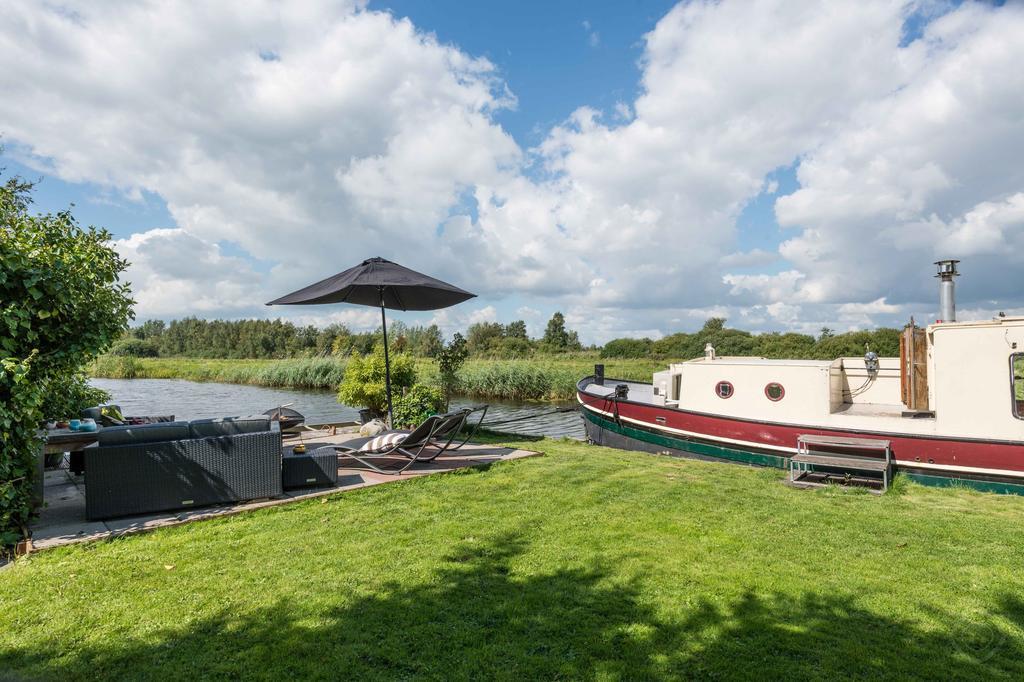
(547,379)
(309,373)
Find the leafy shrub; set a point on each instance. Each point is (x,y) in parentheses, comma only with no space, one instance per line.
(61,303)
(135,348)
(418,403)
(628,348)
(364,386)
(68,394)
(449,360)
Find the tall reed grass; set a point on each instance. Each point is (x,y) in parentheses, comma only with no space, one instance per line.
(542,379)
(316,373)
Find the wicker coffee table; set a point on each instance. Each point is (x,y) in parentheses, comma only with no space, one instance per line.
(318,469)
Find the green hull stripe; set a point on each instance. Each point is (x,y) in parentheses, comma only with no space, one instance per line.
(760,459)
(706,449)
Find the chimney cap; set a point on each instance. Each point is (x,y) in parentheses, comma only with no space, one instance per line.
(947,268)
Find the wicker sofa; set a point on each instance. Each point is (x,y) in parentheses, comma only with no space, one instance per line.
(181,465)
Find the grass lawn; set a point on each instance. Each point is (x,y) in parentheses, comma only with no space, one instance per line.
(586,563)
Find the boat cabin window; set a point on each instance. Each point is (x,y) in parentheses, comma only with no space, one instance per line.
(677,387)
(723,389)
(1017,384)
(774,391)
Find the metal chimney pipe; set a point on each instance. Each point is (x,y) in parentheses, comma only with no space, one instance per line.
(947,294)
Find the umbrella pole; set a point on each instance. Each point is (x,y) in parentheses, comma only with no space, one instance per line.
(387,360)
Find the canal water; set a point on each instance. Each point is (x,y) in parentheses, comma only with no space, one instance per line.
(200,400)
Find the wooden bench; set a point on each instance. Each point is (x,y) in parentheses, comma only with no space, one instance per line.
(805,459)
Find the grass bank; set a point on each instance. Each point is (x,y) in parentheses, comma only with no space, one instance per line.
(587,563)
(543,379)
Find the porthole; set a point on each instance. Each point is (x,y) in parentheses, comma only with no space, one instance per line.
(723,389)
(774,392)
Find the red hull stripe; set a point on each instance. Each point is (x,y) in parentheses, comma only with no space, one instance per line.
(931,453)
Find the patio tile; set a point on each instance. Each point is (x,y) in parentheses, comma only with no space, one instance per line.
(62,534)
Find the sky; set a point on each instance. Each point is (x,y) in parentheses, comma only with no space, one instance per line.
(638,165)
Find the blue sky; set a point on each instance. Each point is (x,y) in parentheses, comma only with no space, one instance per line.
(638,165)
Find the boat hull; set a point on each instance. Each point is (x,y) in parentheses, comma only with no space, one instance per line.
(989,466)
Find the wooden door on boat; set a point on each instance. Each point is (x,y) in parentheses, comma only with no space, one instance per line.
(914,367)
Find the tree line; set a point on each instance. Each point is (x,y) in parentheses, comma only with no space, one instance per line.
(198,338)
(194,337)
(826,346)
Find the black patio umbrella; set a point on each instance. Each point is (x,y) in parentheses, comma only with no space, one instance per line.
(380,283)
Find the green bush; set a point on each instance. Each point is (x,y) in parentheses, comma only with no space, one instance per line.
(628,348)
(61,303)
(135,348)
(418,403)
(450,360)
(68,394)
(363,384)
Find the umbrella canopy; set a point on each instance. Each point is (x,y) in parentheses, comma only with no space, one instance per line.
(380,283)
(377,282)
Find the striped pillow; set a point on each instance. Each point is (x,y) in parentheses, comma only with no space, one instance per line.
(383,442)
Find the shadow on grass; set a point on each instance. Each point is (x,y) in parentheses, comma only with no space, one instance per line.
(488,436)
(479,617)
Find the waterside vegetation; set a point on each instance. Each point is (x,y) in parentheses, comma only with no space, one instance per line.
(544,369)
(586,563)
(540,379)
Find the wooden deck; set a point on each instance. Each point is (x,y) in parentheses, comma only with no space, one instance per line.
(62,520)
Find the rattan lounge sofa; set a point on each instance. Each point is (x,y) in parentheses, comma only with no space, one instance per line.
(181,465)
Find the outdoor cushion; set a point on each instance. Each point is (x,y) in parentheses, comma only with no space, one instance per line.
(97,413)
(357,443)
(385,441)
(229,426)
(146,433)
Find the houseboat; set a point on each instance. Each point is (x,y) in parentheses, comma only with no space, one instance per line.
(949,409)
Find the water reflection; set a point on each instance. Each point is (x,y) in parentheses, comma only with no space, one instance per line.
(194,400)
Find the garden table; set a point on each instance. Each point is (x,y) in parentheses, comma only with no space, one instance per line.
(59,441)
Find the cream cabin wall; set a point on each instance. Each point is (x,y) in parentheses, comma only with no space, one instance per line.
(849,375)
(806,389)
(969,378)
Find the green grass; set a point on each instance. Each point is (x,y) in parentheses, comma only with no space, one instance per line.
(587,563)
(543,379)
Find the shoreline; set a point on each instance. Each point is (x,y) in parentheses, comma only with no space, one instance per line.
(546,379)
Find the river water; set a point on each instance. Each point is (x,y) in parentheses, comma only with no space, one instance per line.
(195,400)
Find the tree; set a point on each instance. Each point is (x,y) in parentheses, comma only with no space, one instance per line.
(557,338)
(61,304)
(713,324)
(516,330)
(449,361)
(364,383)
(628,348)
(484,338)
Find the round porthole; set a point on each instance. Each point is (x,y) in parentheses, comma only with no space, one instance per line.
(774,391)
(723,389)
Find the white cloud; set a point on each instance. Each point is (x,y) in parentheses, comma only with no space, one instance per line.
(929,171)
(172,270)
(356,139)
(320,135)
(879,305)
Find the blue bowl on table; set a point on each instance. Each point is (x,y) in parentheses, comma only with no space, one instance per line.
(75,424)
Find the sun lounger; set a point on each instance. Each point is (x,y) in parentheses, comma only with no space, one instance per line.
(423,444)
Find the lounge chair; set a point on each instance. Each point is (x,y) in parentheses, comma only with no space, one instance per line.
(482,409)
(423,444)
